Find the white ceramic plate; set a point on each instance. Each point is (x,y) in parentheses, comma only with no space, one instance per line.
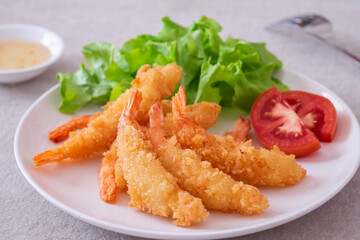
(74,187)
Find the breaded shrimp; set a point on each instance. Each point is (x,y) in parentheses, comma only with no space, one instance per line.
(62,132)
(243,162)
(217,190)
(155,84)
(270,167)
(204,114)
(151,187)
(206,120)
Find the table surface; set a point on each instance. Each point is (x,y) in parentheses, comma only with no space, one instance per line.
(27,215)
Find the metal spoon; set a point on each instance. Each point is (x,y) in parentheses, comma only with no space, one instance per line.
(314,25)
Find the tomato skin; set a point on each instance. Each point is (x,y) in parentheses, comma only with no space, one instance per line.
(275,123)
(317,113)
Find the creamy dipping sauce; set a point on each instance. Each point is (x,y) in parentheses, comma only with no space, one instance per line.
(19,54)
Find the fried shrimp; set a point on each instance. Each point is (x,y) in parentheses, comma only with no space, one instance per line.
(151,187)
(204,114)
(217,190)
(270,167)
(154,83)
(206,120)
(62,132)
(243,162)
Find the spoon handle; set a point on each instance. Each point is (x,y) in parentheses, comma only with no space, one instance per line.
(355,59)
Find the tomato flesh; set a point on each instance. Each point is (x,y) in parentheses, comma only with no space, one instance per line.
(276,123)
(316,112)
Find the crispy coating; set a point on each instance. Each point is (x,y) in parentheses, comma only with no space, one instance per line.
(151,187)
(154,83)
(270,167)
(217,190)
(195,113)
(243,162)
(204,114)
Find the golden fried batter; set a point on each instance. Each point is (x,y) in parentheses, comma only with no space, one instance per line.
(154,83)
(240,160)
(217,190)
(204,114)
(151,187)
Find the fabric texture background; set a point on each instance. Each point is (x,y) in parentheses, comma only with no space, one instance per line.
(24,214)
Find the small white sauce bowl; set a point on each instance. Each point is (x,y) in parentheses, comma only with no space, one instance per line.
(33,33)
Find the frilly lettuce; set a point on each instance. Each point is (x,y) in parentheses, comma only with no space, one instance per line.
(231,73)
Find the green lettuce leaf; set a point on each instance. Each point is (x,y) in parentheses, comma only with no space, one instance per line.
(81,87)
(232,73)
(171,31)
(97,84)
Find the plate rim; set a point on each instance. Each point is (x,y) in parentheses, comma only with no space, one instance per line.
(288,217)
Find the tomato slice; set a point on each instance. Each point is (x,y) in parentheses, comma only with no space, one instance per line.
(276,123)
(316,112)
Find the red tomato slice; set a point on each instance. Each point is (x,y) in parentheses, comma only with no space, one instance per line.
(276,123)
(316,112)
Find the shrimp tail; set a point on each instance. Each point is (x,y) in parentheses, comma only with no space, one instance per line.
(240,130)
(107,180)
(179,109)
(52,155)
(62,132)
(179,104)
(107,185)
(130,111)
(157,126)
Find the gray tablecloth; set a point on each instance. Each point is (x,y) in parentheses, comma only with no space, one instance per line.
(24,214)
